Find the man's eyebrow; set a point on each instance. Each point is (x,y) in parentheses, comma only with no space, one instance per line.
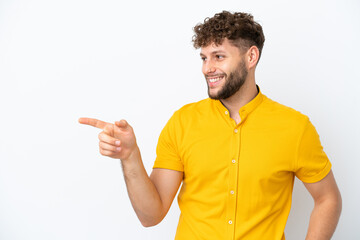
(217,52)
(214,53)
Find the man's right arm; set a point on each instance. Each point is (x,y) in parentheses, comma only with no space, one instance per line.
(151,197)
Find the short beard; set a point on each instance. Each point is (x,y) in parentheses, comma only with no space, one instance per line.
(232,83)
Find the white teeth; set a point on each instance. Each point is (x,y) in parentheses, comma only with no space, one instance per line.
(214,79)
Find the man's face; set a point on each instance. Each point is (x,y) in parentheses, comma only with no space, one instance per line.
(224,69)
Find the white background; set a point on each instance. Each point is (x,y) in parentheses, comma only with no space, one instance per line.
(61,60)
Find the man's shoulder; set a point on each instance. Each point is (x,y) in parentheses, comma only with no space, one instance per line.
(195,107)
(282,112)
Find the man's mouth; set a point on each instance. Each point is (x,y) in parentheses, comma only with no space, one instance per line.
(214,80)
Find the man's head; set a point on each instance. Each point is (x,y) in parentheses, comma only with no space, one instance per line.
(239,28)
(225,41)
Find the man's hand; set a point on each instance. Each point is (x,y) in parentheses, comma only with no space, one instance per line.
(116,140)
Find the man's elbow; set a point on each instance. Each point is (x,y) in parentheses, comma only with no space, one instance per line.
(150,223)
(153,216)
(332,202)
(338,202)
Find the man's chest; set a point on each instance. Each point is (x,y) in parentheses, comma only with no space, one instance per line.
(248,153)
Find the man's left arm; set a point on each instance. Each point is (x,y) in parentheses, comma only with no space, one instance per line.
(327,208)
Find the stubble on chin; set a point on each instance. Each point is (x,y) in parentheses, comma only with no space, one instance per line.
(232,84)
(215,95)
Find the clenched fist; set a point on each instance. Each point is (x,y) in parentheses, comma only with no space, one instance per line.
(116,140)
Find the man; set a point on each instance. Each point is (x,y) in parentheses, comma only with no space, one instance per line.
(236,152)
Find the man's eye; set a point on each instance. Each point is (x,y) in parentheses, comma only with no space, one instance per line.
(219,56)
(203,59)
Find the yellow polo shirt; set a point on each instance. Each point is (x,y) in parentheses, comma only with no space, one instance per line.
(238,179)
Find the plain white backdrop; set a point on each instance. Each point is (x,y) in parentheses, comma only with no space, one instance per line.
(61,60)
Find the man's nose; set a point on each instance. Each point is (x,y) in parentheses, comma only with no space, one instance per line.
(209,68)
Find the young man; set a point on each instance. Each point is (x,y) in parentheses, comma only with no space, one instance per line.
(236,152)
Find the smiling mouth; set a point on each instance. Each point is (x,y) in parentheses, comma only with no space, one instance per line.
(215,79)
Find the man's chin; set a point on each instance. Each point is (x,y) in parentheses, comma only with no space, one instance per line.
(214,96)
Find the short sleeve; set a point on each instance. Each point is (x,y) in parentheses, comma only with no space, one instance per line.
(312,162)
(167,151)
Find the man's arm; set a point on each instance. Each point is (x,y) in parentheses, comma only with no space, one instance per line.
(151,197)
(327,208)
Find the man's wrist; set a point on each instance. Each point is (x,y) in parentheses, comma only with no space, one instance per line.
(133,158)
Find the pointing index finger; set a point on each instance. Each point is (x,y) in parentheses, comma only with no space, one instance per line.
(93,122)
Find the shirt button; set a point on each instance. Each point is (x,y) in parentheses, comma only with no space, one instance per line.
(231,192)
(226,112)
(235,130)
(233,161)
(230,222)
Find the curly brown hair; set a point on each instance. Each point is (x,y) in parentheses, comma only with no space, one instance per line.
(240,28)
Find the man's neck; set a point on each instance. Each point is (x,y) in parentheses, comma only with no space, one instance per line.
(246,93)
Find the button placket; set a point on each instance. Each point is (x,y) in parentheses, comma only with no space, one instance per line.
(232,186)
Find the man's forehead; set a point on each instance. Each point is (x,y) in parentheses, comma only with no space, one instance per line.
(211,48)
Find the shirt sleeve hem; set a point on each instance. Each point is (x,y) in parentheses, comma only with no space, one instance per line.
(319,176)
(176,167)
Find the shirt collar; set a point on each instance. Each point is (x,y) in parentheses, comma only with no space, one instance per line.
(247,108)
(252,105)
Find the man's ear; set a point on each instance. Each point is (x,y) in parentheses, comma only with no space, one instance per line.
(252,56)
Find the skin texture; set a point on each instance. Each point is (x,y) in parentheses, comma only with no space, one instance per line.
(118,141)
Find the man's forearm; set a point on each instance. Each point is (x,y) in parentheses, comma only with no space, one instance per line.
(143,195)
(324,219)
